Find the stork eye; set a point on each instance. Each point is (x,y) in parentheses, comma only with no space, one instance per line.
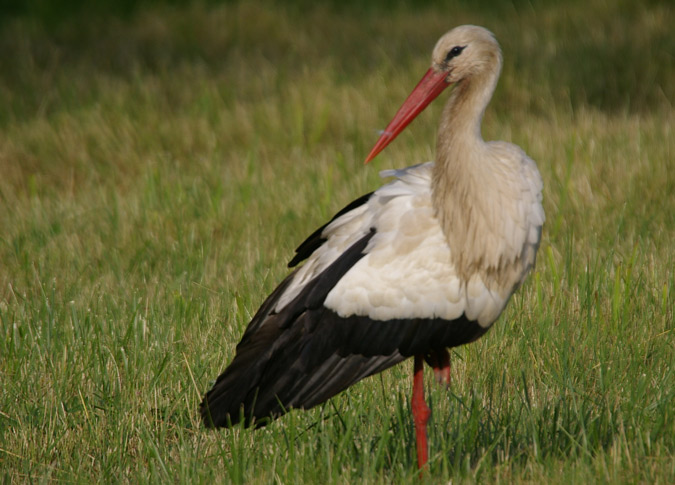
(454,52)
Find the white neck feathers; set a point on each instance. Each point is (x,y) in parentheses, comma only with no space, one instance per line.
(473,184)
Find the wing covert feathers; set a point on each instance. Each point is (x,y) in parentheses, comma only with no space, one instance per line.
(316,239)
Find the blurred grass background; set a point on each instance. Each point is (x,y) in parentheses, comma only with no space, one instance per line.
(159,161)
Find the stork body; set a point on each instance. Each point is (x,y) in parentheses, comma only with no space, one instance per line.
(425,263)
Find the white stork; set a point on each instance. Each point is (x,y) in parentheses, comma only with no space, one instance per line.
(424,263)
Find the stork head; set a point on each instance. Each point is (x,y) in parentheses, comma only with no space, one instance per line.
(462,53)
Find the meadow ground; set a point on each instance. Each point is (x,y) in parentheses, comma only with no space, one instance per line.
(158,166)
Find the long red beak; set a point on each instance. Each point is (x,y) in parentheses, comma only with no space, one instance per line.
(429,87)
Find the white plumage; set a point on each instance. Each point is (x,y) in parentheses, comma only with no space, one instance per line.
(407,271)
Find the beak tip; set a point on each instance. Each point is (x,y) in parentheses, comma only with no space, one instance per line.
(379,146)
(429,87)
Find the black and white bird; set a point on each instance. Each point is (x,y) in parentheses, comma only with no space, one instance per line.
(425,263)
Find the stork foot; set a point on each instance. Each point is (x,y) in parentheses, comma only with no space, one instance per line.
(439,360)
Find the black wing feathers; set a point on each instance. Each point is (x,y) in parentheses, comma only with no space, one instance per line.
(265,357)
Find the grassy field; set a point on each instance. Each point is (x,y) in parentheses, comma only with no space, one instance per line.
(158,167)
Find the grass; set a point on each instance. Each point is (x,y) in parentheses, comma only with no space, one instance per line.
(159,167)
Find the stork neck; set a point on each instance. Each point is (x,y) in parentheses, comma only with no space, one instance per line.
(460,128)
(463,167)
(459,140)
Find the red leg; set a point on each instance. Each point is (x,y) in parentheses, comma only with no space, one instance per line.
(420,412)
